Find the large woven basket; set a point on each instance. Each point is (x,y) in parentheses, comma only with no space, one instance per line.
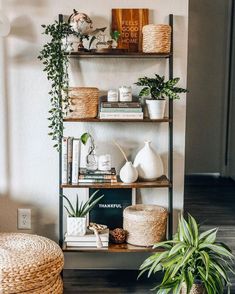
(83,102)
(145,224)
(156,38)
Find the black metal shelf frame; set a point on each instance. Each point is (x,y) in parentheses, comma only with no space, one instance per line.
(170,148)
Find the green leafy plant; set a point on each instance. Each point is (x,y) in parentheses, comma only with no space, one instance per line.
(84,138)
(82,209)
(55,61)
(158,88)
(191,256)
(115,35)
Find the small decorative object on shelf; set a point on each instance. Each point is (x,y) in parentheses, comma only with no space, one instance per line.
(125,94)
(145,224)
(193,262)
(118,236)
(91,158)
(97,228)
(76,219)
(157,89)
(148,163)
(104,162)
(128,173)
(112,95)
(101,44)
(156,38)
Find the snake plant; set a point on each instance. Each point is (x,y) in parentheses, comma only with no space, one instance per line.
(189,257)
(82,209)
(158,88)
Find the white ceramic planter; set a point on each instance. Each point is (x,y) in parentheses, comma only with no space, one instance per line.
(76,226)
(148,163)
(156,108)
(128,173)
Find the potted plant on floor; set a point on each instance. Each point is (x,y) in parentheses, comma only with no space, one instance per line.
(76,219)
(157,88)
(192,262)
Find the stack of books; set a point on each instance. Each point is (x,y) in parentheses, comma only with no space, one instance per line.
(97,176)
(88,241)
(120,110)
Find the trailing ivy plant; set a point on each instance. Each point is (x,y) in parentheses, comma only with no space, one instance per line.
(55,61)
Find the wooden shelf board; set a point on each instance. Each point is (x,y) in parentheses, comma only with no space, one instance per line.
(162,182)
(124,248)
(118,55)
(165,119)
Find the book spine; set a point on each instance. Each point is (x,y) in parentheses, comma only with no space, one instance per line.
(120,105)
(84,171)
(98,177)
(70,159)
(75,160)
(118,115)
(85,244)
(124,110)
(64,159)
(96,181)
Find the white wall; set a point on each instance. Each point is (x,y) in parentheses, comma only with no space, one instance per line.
(32,177)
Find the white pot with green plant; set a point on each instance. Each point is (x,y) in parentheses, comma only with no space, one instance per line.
(157,89)
(76,219)
(192,263)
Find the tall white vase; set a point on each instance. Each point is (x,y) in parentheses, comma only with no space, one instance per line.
(148,163)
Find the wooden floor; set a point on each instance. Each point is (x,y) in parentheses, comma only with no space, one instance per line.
(211,201)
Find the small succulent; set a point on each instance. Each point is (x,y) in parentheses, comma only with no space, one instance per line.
(82,209)
(158,88)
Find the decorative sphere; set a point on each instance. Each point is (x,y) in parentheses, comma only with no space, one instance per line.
(80,22)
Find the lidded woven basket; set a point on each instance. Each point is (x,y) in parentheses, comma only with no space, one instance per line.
(145,224)
(83,102)
(156,38)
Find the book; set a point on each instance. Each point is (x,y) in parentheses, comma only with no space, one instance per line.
(89,237)
(120,105)
(84,171)
(70,158)
(87,248)
(76,160)
(64,155)
(96,181)
(85,244)
(124,110)
(98,177)
(121,115)
(129,22)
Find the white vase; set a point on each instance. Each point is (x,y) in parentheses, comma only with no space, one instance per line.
(76,226)
(156,108)
(128,173)
(148,163)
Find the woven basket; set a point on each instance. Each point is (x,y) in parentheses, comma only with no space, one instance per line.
(83,102)
(156,38)
(29,264)
(145,224)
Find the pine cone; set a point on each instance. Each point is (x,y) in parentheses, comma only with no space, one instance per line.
(118,236)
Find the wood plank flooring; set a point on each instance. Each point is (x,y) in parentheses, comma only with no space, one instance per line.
(210,200)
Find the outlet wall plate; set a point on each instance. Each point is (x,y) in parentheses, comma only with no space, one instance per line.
(24,219)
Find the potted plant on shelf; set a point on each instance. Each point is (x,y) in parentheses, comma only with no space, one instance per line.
(192,262)
(157,88)
(76,219)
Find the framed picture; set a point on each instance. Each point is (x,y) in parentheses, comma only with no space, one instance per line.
(109,211)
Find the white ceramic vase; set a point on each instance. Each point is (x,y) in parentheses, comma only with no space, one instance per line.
(148,163)
(156,108)
(128,173)
(76,226)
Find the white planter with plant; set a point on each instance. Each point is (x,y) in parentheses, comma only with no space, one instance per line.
(76,219)
(192,263)
(157,89)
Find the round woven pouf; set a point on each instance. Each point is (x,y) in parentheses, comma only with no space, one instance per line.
(145,224)
(30,264)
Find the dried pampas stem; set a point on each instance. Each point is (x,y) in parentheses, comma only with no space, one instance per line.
(120,148)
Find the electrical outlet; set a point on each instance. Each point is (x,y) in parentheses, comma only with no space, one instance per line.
(24,218)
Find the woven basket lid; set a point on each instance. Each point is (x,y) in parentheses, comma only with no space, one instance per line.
(142,212)
(28,262)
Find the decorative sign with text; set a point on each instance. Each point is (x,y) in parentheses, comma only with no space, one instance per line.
(129,22)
